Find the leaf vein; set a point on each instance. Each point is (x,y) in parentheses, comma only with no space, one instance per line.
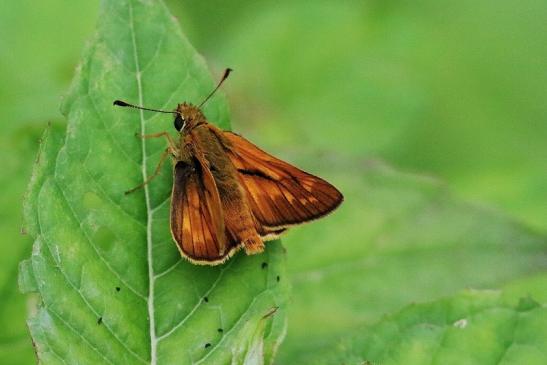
(217,345)
(77,290)
(72,329)
(101,257)
(149,213)
(156,51)
(197,305)
(168,270)
(105,195)
(109,131)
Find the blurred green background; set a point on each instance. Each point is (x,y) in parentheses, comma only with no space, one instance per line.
(453,89)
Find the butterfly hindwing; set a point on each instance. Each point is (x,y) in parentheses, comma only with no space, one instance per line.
(280,195)
(197,222)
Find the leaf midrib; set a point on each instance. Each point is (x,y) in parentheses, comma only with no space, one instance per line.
(149,211)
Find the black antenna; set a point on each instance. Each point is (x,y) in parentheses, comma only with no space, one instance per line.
(224,77)
(123,103)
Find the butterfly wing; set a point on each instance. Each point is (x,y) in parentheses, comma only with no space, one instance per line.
(197,222)
(280,194)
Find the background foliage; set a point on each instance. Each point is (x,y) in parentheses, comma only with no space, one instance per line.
(452,89)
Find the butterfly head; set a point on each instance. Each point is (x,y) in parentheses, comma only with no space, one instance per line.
(187,117)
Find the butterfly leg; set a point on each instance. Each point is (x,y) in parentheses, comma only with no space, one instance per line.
(157,171)
(158,135)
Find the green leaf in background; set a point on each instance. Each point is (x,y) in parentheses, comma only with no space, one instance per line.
(39,46)
(474,327)
(400,239)
(112,284)
(454,89)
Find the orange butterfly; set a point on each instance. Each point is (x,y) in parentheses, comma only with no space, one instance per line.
(227,193)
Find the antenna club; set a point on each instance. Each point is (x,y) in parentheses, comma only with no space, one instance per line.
(224,77)
(120,103)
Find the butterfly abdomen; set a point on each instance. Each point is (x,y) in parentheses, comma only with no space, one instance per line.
(253,245)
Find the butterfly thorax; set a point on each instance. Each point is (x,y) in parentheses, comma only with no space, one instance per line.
(207,140)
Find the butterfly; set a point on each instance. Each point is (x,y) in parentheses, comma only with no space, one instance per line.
(229,194)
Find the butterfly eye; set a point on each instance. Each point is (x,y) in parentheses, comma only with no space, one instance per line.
(179,122)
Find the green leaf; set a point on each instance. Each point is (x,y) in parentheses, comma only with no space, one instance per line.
(113,286)
(474,327)
(26,280)
(399,239)
(17,150)
(44,166)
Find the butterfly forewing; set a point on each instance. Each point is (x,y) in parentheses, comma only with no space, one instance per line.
(280,195)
